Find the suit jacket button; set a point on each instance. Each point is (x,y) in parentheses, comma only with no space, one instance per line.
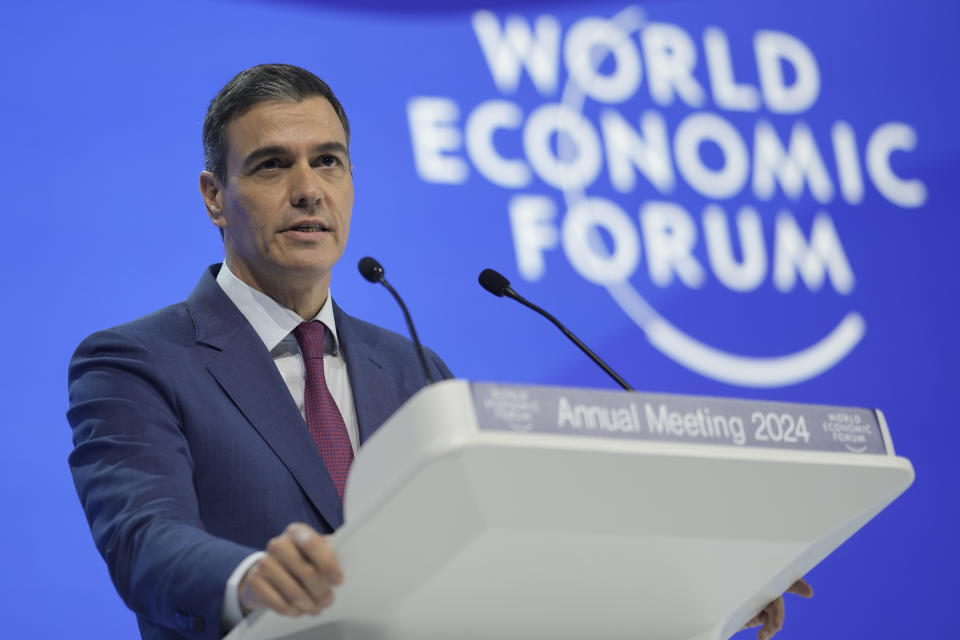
(188,622)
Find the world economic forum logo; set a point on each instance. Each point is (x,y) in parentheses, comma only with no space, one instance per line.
(668,115)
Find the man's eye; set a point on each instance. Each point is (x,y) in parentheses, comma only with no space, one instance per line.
(328,160)
(269,164)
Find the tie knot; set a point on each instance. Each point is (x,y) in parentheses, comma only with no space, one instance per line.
(309,336)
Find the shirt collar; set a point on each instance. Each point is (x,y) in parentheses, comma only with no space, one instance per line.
(272,321)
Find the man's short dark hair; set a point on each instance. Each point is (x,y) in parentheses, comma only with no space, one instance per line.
(262,83)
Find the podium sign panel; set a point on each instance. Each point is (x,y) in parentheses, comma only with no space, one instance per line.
(677,418)
(495,511)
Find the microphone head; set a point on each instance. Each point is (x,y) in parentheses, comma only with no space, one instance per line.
(370,269)
(494,282)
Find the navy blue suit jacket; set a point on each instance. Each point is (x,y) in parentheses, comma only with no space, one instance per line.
(190,453)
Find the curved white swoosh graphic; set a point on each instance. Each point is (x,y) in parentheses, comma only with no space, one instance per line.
(746,371)
(727,367)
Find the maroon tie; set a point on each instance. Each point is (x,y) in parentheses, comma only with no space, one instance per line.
(323,417)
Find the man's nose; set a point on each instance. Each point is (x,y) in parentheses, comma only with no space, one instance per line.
(305,187)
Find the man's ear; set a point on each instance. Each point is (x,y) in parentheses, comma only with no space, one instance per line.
(212,192)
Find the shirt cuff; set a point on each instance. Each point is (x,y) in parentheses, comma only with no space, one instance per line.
(231,613)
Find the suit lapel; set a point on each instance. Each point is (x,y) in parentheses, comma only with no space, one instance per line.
(246,372)
(375,392)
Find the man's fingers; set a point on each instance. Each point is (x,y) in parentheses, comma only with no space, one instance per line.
(289,556)
(801,588)
(296,575)
(778,615)
(772,617)
(284,582)
(317,551)
(256,592)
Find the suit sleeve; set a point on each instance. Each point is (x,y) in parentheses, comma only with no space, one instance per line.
(133,471)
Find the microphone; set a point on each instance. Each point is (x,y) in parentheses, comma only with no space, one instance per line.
(500,286)
(372,271)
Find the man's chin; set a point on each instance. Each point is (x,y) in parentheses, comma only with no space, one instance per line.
(307,271)
(307,267)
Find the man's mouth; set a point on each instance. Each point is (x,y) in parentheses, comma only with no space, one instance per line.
(309,228)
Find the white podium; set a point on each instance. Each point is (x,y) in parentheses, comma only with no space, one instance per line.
(493,511)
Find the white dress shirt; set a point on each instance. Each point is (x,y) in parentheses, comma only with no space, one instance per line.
(274,324)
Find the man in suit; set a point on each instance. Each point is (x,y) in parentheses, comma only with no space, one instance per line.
(212,437)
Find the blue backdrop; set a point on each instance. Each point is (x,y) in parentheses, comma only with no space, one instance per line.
(749,199)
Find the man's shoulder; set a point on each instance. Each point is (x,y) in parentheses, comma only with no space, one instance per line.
(385,343)
(176,324)
(353,327)
(172,325)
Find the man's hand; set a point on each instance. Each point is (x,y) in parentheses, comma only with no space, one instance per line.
(296,576)
(772,615)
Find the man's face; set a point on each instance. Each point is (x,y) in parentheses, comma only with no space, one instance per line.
(286,204)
